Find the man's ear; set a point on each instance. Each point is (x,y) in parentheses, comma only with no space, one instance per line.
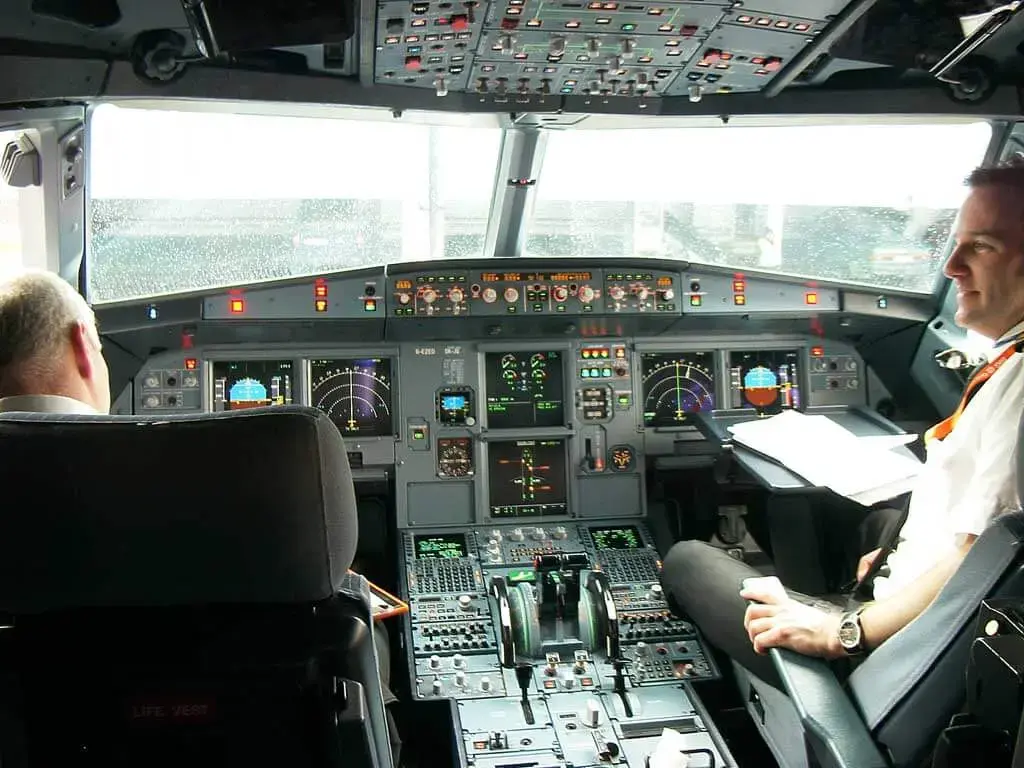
(82,347)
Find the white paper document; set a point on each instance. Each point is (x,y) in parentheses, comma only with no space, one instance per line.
(864,469)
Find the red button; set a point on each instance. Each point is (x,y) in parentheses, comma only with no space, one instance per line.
(772,63)
(460,23)
(412,62)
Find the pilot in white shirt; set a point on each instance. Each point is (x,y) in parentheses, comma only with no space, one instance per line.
(969,478)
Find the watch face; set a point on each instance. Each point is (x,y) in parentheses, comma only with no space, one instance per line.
(849,634)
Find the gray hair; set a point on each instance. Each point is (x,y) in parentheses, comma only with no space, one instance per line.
(37,312)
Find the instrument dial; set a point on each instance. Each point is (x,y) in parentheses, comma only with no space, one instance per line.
(454,457)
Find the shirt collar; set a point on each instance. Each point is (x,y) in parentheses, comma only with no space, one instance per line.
(45,404)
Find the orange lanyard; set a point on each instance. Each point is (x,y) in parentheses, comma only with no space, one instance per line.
(943,429)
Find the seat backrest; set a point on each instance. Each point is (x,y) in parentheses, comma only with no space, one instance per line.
(171,587)
(910,686)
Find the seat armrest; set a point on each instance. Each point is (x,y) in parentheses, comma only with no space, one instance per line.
(833,728)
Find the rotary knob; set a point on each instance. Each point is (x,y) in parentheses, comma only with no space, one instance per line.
(489,295)
(429,295)
(435,662)
(456,295)
(617,293)
(586,294)
(404,298)
(560,293)
(458,661)
(642,293)
(668,294)
(511,295)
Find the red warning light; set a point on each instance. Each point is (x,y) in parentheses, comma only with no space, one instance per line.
(320,290)
(811,298)
(320,305)
(739,286)
(817,351)
(191,363)
(237,306)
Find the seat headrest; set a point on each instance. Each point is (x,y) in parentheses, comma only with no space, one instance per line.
(253,506)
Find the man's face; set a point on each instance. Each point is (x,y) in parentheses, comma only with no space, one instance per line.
(987,264)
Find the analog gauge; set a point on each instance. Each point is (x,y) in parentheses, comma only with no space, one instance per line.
(675,385)
(623,458)
(454,457)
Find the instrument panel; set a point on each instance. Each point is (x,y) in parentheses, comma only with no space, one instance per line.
(519,468)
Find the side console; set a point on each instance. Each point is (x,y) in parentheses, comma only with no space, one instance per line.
(556,643)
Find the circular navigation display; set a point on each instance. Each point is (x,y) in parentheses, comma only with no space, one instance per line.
(355,393)
(676,385)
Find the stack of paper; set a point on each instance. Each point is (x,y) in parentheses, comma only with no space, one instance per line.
(864,469)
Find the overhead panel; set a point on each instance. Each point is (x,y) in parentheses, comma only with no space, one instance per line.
(516,50)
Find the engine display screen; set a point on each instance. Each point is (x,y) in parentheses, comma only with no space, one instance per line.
(768,381)
(440,546)
(251,383)
(616,538)
(527,478)
(524,389)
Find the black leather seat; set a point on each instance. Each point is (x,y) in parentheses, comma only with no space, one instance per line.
(895,704)
(175,593)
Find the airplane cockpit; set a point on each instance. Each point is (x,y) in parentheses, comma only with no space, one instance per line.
(566,283)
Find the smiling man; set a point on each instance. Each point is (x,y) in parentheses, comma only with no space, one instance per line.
(969,477)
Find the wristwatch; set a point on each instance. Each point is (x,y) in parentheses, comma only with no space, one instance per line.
(851,635)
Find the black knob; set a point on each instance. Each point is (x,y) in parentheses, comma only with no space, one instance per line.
(524,676)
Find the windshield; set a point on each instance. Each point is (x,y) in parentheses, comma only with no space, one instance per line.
(195,200)
(190,200)
(869,204)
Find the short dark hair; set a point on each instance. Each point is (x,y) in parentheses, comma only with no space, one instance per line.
(1007,173)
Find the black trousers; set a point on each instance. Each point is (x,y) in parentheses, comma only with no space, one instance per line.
(703,583)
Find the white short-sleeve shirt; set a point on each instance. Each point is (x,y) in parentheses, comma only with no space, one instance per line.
(969,479)
(44,404)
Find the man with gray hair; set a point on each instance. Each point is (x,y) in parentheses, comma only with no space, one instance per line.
(51,358)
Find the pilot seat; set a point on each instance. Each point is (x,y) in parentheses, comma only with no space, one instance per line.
(175,591)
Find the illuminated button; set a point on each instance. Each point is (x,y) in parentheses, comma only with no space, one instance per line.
(811,298)
(370,305)
(320,291)
(695,301)
(586,353)
(320,305)
(740,299)
(237,306)
(738,286)
(460,23)
(191,363)
(412,62)
(817,351)
(585,373)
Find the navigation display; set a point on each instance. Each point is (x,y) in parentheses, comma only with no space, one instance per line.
(524,389)
(768,381)
(675,385)
(242,384)
(355,393)
(527,478)
(616,538)
(440,546)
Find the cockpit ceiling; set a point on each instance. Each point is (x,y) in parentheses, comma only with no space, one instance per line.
(533,55)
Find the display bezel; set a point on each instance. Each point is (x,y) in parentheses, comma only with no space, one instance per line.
(393,363)
(487,485)
(802,377)
(567,379)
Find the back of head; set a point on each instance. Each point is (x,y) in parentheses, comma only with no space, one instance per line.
(42,318)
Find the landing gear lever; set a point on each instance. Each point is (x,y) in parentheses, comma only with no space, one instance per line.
(524,676)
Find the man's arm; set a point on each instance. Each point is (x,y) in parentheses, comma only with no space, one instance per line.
(881,620)
(777,621)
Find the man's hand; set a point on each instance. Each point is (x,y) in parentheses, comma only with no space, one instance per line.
(865,563)
(777,621)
